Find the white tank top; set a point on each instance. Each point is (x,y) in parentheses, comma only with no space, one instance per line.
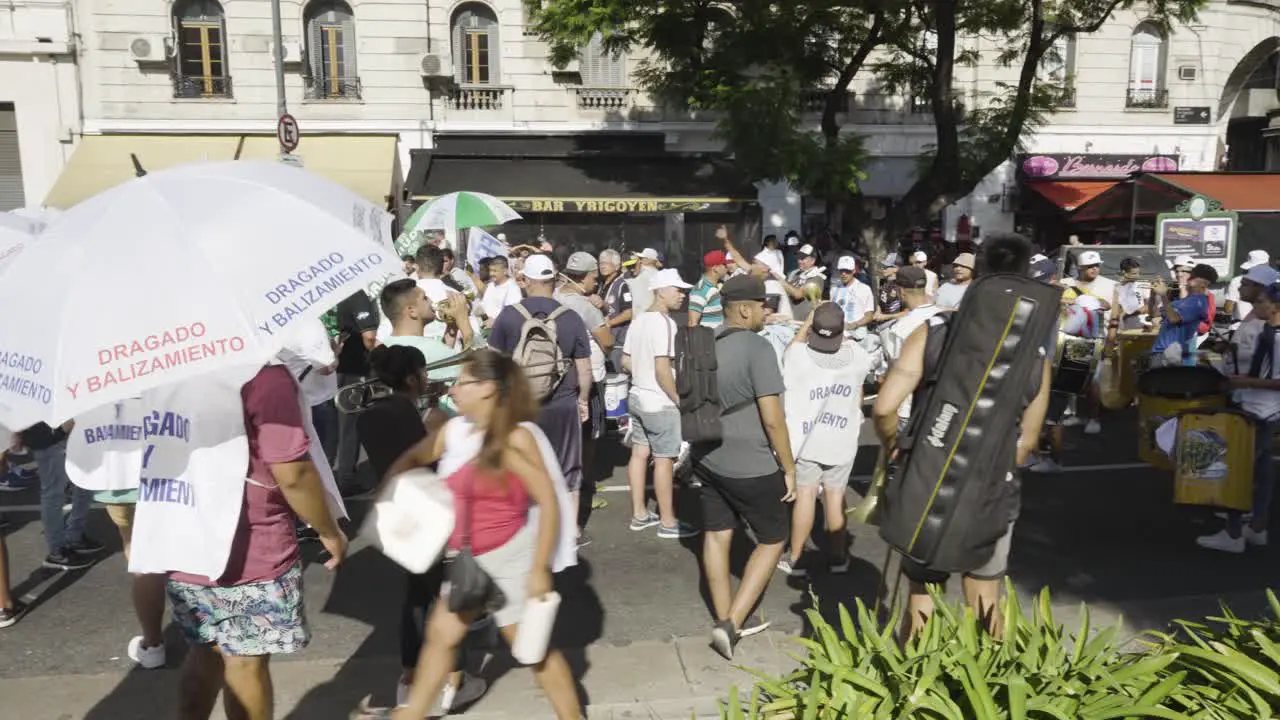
(824,406)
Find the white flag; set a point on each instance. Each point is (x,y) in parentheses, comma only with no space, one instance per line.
(481,245)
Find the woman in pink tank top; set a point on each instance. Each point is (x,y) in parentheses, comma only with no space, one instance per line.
(495,492)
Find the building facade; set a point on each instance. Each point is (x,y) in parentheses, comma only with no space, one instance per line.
(40,108)
(409,98)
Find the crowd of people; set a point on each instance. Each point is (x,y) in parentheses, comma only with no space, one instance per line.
(496,376)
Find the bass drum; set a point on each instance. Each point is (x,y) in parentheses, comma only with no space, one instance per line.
(1075,363)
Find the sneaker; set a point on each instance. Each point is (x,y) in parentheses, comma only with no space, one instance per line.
(1256,539)
(1093,427)
(583,539)
(681,530)
(724,639)
(1245,518)
(147,658)
(13,482)
(754,624)
(791,570)
(1047,465)
(1072,421)
(599,503)
(1221,541)
(473,688)
(402,693)
(86,546)
(646,522)
(67,560)
(11,615)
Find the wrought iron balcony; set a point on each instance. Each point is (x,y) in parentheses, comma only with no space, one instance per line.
(1067,98)
(332,88)
(196,87)
(604,98)
(1152,98)
(476,97)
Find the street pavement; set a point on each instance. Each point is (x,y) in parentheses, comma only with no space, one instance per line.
(634,622)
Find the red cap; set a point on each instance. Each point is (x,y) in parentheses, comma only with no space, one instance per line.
(713,258)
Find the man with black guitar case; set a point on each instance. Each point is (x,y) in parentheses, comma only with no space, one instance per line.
(980,381)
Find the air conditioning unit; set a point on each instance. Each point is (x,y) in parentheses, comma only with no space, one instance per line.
(1188,72)
(149,48)
(434,65)
(572,67)
(291,52)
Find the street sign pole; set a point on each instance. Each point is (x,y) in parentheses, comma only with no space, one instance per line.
(277,37)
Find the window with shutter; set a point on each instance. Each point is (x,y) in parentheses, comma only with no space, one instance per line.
(331,55)
(476,48)
(601,68)
(11,193)
(201,67)
(1146,58)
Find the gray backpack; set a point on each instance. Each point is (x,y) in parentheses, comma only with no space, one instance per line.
(538,352)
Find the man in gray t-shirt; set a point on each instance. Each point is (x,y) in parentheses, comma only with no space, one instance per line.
(750,476)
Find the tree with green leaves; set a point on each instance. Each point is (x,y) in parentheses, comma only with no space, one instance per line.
(762,66)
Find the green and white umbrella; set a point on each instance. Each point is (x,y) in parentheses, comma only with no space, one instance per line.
(455,211)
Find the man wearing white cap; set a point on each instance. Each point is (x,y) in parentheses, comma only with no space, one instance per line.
(919,258)
(1238,307)
(854,298)
(1092,292)
(950,294)
(641,293)
(808,273)
(654,406)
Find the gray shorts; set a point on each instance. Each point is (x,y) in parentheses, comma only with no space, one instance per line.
(815,474)
(993,569)
(657,430)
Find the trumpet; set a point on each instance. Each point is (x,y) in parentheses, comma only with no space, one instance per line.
(358,397)
(865,513)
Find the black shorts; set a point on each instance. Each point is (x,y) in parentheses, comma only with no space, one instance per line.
(756,501)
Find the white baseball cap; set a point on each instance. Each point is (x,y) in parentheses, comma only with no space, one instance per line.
(890,260)
(1089,258)
(669,277)
(1184,261)
(648,254)
(919,256)
(539,267)
(847,263)
(807,250)
(1256,258)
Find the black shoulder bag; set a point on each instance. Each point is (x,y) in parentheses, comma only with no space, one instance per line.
(470,587)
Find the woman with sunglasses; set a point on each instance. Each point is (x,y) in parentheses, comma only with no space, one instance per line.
(492,460)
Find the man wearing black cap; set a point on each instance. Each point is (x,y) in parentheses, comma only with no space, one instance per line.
(824,377)
(750,476)
(1182,317)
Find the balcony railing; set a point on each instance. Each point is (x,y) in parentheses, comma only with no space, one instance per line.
(1151,98)
(332,88)
(814,100)
(597,98)
(1067,98)
(476,97)
(195,87)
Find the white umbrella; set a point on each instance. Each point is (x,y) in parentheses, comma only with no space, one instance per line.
(15,233)
(173,275)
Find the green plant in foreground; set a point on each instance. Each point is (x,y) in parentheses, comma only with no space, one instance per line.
(955,670)
(1231,665)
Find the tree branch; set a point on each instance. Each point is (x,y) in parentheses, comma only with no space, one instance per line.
(830,129)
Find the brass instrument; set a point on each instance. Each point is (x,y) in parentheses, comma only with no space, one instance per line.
(865,513)
(358,397)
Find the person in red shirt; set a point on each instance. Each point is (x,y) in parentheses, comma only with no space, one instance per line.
(494,490)
(236,622)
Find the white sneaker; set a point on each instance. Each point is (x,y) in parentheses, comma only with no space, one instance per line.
(1093,427)
(472,689)
(146,658)
(1256,539)
(1047,465)
(789,569)
(402,693)
(1072,421)
(1222,542)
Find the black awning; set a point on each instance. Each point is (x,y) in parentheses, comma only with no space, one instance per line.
(586,184)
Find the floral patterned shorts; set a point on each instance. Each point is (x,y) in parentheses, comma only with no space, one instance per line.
(265,618)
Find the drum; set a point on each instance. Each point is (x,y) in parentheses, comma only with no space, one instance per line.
(1215,456)
(1167,392)
(1075,363)
(616,387)
(1135,358)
